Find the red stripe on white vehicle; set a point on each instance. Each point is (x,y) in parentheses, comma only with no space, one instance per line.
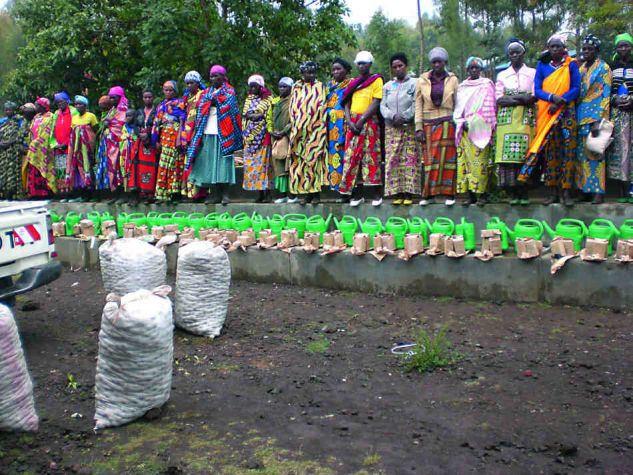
(27,234)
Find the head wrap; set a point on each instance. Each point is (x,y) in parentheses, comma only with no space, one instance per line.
(558,36)
(286,81)
(193,76)
(591,40)
(308,65)
(44,103)
(257,79)
(119,91)
(29,106)
(10,105)
(364,57)
(438,53)
(81,100)
(624,38)
(62,96)
(171,83)
(217,69)
(474,59)
(515,42)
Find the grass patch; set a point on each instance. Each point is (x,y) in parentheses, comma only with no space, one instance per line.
(318,346)
(430,352)
(371,460)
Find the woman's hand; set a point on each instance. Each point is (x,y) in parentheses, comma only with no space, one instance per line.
(553,108)
(558,100)
(507,101)
(420,136)
(595,129)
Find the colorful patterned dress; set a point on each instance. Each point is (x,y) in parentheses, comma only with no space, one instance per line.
(193,101)
(143,174)
(258,170)
(127,155)
(620,154)
(40,173)
(593,106)
(60,141)
(308,137)
(168,126)
(336,132)
(108,172)
(80,158)
(14,130)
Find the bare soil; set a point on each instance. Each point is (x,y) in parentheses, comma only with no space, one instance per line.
(303,381)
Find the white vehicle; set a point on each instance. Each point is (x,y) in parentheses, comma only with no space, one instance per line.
(27,248)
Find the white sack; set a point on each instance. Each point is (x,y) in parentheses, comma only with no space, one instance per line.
(17,409)
(128,265)
(203,278)
(134,366)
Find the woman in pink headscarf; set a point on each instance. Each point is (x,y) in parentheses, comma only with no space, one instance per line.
(108,173)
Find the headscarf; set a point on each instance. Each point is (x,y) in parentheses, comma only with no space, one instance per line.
(62,96)
(624,37)
(217,69)
(364,57)
(172,84)
(81,100)
(591,40)
(438,53)
(558,36)
(286,81)
(119,91)
(308,65)
(474,59)
(193,76)
(44,103)
(10,105)
(257,79)
(515,42)
(29,106)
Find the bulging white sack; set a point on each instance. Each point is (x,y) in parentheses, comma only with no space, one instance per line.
(128,265)
(134,366)
(17,408)
(203,278)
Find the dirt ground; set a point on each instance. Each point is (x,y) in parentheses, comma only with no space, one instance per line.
(303,381)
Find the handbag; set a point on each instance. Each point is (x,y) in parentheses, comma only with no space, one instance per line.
(280,148)
(601,142)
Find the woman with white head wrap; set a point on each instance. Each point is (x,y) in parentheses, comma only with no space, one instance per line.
(593,106)
(193,94)
(516,120)
(258,170)
(556,85)
(434,128)
(280,121)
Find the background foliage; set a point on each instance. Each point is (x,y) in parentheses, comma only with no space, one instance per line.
(89,45)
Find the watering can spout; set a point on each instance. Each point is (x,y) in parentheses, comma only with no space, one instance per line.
(327,222)
(510,232)
(428,223)
(548,230)
(336,222)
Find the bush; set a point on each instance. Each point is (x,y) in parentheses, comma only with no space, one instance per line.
(430,352)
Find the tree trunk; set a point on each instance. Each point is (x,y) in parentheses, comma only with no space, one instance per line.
(421,28)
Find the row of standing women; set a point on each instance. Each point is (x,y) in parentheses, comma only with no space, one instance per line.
(438,137)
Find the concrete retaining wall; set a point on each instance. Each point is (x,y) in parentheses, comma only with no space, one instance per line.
(504,279)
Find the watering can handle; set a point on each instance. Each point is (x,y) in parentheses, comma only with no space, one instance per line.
(578,222)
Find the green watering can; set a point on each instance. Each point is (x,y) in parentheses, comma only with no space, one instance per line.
(398,227)
(211,220)
(181,219)
(418,226)
(54,216)
(296,221)
(164,219)
(467,230)
(139,219)
(496,223)
(95,217)
(225,221)
(72,218)
(603,229)
(371,226)
(348,225)
(526,228)
(441,225)
(121,219)
(259,222)
(106,216)
(276,222)
(241,222)
(152,219)
(626,230)
(316,224)
(573,229)
(196,221)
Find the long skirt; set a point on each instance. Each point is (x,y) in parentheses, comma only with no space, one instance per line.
(508,174)
(558,152)
(440,158)
(36,184)
(10,172)
(143,174)
(620,154)
(60,159)
(80,158)
(513,135)
(591,171)
(472,167)
(362,153)
(211,167)
(170,164)
(403,162)
(258,169)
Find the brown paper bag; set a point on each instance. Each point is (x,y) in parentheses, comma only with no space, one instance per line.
(311,242)
(214,237)
(413,245)
(289,238)
(596,250)
(128,230)
(360,244)
(333,242)
(203,233)
(158,232)
(87,228)
(264,233)
(59,229)
(141,231)
(624,251)
(108,227)
(171,229)
(562,247)
(528,248)
(268,242)
(229,234)
(492,245)
(77,229)
(436,244)
(454,246)
(247,238)
(489,233)
(188,233)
